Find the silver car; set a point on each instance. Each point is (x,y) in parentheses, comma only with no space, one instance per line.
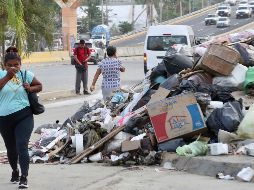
(223,22)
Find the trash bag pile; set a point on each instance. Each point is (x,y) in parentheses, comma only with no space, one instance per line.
(193,106)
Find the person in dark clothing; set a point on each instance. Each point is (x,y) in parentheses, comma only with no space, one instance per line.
(16,117)
(81,55)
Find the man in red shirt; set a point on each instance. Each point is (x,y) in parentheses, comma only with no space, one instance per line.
(81,55)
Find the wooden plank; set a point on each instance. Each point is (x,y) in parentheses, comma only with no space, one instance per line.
(97,145)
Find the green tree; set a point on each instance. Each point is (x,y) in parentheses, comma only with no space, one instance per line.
(125,27)
(41,20)
(93,17)
(12,18)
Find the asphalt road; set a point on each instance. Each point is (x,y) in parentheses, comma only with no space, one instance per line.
(198,25)
(61,76)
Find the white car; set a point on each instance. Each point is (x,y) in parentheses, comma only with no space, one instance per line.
(97,53)
(223,10)
(211,19)
(251,5)
(223,22)
(243,3)
(243,11)
(231,2)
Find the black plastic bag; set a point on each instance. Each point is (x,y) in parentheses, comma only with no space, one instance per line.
(171,146)
(217,93)
(226,118)
(158,71)
(176,63)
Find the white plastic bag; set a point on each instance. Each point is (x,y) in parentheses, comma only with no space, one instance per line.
(246,127)
(236,79)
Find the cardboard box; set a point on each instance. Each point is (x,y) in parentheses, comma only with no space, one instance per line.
(177,116)
(130,145)
(219,60)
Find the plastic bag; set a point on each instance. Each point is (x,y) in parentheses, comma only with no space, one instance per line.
(246,127)
(249,81)
(226,118)
(176,63)
(196,148)
(236,79)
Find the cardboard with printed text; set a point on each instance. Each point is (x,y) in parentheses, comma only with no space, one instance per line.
(176,116)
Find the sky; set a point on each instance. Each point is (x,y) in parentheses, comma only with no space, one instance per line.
(123,13)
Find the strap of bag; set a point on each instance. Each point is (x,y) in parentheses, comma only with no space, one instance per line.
(23,77)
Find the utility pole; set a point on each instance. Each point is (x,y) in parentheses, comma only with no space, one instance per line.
(202,4)
(161,6)
(181,8)
(102,13)
(106,3)
(189,6)
(132,11)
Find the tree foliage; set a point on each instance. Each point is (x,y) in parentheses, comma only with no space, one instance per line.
(40,18)
(125,27)
(93,17)
(30,20)
(12,18)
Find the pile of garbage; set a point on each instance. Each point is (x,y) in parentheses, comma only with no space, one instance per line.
(192,105)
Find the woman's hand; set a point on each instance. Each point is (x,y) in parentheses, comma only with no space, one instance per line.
(27,86)
(11,71)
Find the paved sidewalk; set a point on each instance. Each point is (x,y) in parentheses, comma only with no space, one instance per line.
(100,177)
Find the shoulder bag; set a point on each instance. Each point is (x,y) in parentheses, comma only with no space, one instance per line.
(36,107)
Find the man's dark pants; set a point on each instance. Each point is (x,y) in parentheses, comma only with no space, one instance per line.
(81,75)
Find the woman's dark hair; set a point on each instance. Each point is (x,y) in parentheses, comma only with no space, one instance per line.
(11,53)
(111,50)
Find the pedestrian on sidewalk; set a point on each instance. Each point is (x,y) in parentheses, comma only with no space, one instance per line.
(16,117)
(81,55)
(110,68)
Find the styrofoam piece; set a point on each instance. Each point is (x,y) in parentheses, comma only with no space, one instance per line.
(218,149)
(215,104)
(246,174)
(96,157)
(79,143)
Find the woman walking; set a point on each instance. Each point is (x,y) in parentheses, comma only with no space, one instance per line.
(16,117)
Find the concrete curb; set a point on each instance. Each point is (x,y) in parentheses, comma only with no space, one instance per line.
(210,165)
(44,96)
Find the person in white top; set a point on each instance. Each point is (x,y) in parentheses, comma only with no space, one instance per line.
(110,69)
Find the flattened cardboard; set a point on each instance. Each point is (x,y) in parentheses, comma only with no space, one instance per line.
(176,117)
(130,145)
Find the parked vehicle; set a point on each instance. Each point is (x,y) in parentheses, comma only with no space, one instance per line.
(243,11)
(223,10)
(211,19)
(231,2)
(97,53)
(243,3)
(160,37)
(223,22)
(101,34)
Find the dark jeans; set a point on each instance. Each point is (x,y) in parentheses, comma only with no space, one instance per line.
(16,130)
(81,76)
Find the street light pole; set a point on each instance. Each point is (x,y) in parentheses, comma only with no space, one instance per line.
(161,5)
(102,13)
